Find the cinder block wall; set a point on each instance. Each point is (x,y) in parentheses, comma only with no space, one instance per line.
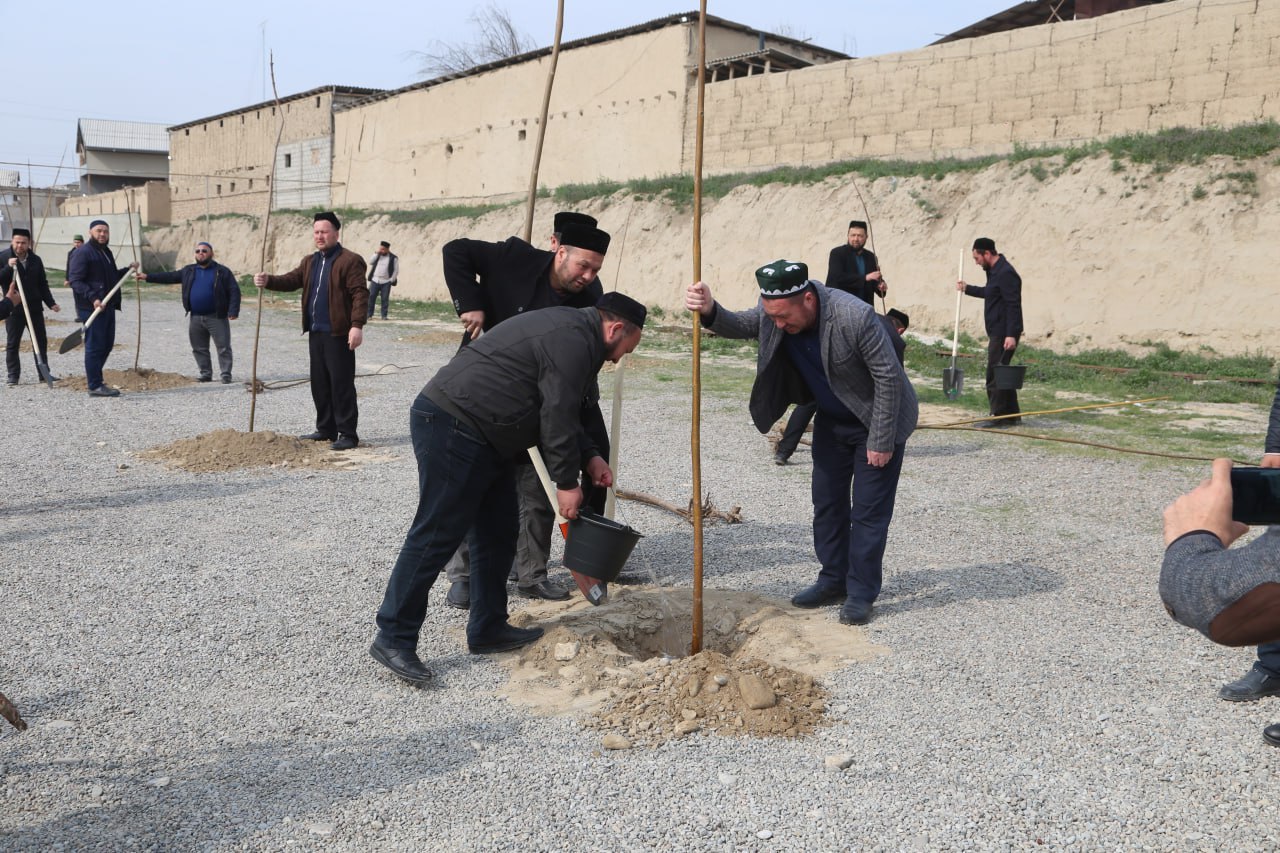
(1186,63)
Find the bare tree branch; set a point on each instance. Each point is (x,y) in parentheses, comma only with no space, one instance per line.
(497,37)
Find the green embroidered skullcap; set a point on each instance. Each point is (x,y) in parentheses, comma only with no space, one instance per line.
(782,278)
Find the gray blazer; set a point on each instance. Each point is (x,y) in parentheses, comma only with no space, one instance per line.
(858,357)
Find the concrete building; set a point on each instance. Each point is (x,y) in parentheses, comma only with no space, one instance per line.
(222,163)
(622,108)
(115,154)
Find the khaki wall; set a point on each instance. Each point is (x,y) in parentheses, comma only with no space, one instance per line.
(616,113)
(150,201)
(222,165)
(1184,63)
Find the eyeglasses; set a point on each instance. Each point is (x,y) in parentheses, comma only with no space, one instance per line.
(202,251)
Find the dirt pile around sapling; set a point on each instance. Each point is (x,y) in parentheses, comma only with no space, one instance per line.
(625,664)
(231,450)
(143,379)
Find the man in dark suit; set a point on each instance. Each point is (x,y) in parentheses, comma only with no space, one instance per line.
(823,345)
(854,269)
(491,283)
(1002,314)
(35,285)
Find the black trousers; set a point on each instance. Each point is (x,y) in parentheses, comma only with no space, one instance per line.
(796,425)
(14,326)
(1001,402)
(333,385)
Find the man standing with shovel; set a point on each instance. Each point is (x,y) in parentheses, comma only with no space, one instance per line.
(1002,313)
(93,275)
(826,345)
(20,262)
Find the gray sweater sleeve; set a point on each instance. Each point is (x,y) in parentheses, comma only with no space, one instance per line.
(1200,578)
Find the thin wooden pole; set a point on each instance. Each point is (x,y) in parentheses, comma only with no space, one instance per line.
(266,225)
(137,285)
(695,432)
(48,197)
(542,125)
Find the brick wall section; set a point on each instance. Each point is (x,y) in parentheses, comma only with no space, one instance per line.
(150,201)
(1184,63)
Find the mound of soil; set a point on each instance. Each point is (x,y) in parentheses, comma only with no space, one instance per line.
(230,450)
(626,664)
(144,379)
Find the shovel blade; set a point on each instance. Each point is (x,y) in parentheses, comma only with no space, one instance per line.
(593,590)
(952,382)
(46,375)
(71,341)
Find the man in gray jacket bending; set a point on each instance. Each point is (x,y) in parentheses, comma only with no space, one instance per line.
(518,386)
(828,346)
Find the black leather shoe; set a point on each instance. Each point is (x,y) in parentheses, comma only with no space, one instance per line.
(1257,683)
(1271,734)
(855,612)
(459,595)
(817,596)
(505,639)
(316,436)
(403,662)
(345,442)
(104,391)
(226,380)
(204,379)
(781,458)
(546,590)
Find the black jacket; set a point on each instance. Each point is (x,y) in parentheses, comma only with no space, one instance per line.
(1002,296)
(35,283)
(842,272)
(92,274)
(226,290)
(522,385)
(505,279)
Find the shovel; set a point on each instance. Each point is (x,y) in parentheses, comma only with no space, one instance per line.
(953,377)
(76,338)
(41,365)
(594,590)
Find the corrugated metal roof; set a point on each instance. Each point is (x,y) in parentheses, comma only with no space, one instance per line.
(123,135)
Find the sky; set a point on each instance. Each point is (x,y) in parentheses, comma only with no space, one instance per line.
(177,62)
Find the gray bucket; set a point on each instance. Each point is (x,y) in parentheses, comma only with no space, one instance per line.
(1009,376)
(598,547)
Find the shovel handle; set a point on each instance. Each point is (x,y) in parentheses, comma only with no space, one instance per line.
(103,304)
(535,456)
(26,312)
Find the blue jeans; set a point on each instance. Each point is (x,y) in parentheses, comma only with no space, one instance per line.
(374,289)
(852,507)
(98,341)
(1269,658)
(463,485)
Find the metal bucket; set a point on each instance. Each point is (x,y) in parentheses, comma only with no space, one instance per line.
(597,546)
(1009,376)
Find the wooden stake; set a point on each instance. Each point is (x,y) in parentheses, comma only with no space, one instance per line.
(695,432)
(266,225)
(48,197)
(542,125)
(137,285)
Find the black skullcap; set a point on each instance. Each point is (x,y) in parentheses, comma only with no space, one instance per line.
(584,236)
(22,232)
(782,278)
(95,223)
(901,317)
(386,245)
(566,216)
(858,223)
(984,244)
(621,305)
(330,217)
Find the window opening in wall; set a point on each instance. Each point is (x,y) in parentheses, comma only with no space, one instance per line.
(251,183)
(288,160)
(448,149)
(220,124)
(242,119)
(521,136)
(219,189)
(317,101)
(186,131)
(233,186)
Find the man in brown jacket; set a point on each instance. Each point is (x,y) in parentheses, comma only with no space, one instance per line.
(335,304)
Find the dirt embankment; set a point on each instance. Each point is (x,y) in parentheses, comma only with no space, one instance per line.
(1108,254)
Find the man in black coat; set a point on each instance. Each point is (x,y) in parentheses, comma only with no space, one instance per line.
(854,269)
(211,298)
(491,283)
(35,290)
(1002,314)
(518,387)
(92,274)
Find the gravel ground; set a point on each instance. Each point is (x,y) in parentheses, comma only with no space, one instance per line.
(190,650)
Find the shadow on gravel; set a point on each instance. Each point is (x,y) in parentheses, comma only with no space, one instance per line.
(925,588)
(222,797)
(135,497)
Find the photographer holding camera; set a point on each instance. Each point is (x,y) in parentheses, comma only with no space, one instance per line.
(1232,597)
